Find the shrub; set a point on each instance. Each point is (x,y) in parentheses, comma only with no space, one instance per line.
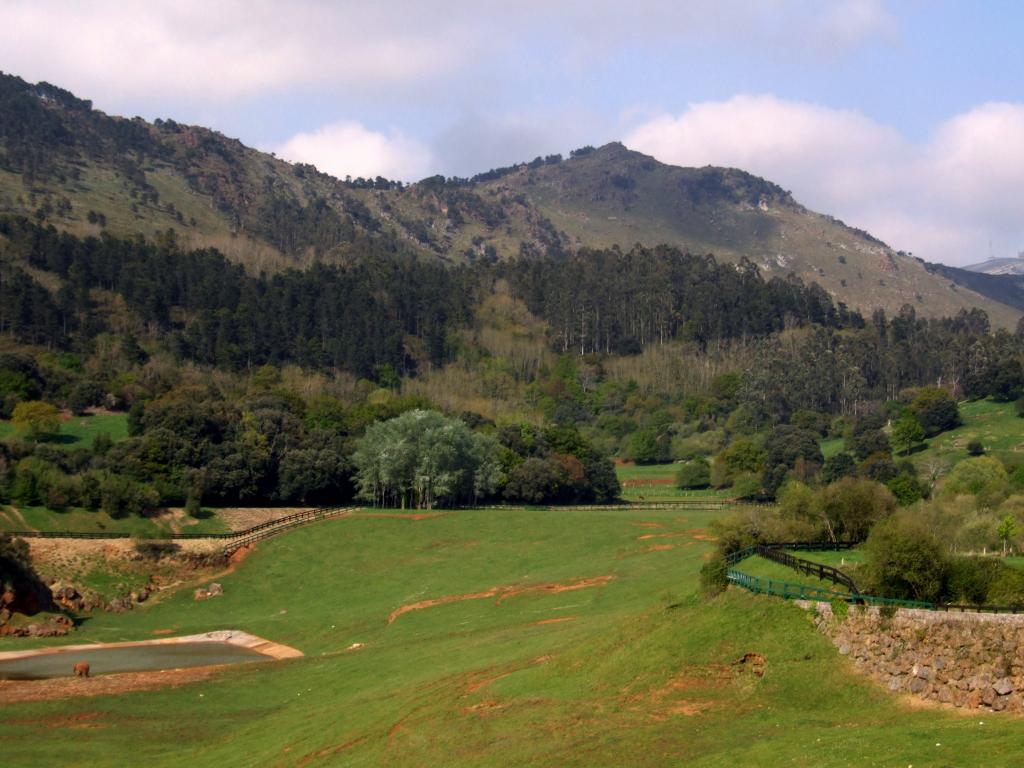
(936,409)
(907,489)
(970,579)
(1007,588)
(850,507)
(870,442)
(905,560)
(714,576)
(975,448)
(837,467)
(694,474)
(983,477)
(36,420)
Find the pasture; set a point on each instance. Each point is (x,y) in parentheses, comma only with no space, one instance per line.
(81,431)
(495,637)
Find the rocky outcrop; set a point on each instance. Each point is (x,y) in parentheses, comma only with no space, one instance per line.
(963,659)
(205,593)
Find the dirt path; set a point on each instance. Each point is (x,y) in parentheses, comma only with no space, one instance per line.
(503,593)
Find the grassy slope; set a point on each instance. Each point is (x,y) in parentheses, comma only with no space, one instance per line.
(470,683)
(996,425)
(80,431)
(646,473)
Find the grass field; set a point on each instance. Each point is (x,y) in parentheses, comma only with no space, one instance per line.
(656,482)
(80,431)
(995,425)
(635,670)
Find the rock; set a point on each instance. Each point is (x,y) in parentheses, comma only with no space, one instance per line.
(1003,686)
(5,615)
(215,589)
(119,605)
(918,685)
(988,696)
(844,649)
(895,683)
(141,595)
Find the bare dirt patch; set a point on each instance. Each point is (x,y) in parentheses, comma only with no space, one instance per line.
(644,482)
(242,518)
(647,536)
(646,524)
(544,622)
(329,751)
(659,548)
(503,593)
(241,553)
(17,691)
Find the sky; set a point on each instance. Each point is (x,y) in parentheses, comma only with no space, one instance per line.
(903,118)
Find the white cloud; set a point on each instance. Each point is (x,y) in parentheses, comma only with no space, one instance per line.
(119,51)
(943,198)
(850,23)
(347,148)
(229,49)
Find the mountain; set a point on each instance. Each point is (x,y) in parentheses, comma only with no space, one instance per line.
(1004,287)
(999,266)
(67,164)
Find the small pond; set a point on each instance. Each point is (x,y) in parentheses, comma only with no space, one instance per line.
(127,658)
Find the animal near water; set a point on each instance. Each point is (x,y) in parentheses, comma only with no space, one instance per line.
(82,669)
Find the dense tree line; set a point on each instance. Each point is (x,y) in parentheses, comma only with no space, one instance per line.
(834,371)
(359,317)
(614,301)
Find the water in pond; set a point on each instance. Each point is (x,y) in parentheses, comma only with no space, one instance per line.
(133,658)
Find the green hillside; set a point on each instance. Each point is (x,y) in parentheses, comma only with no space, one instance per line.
(632,670)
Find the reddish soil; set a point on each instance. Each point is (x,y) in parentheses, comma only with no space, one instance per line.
(15,691)
(647,536)
(485,677)
(544,622)
(241,553)
(502,593)
(414,516)
(329,751)
(660,547)
(647,525)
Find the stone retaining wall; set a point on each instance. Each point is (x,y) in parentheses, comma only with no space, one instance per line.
(965,659)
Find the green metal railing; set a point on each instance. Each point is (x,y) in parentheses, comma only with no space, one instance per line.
(791,591)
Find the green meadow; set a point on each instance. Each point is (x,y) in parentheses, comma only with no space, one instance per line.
(541,638)
(656,482)
(995,425)
(81,431)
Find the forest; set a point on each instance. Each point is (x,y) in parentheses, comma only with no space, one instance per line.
(248,388)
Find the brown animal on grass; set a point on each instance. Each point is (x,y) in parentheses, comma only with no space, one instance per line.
(82,669)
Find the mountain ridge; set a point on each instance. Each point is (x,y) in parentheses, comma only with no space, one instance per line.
(65,163)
